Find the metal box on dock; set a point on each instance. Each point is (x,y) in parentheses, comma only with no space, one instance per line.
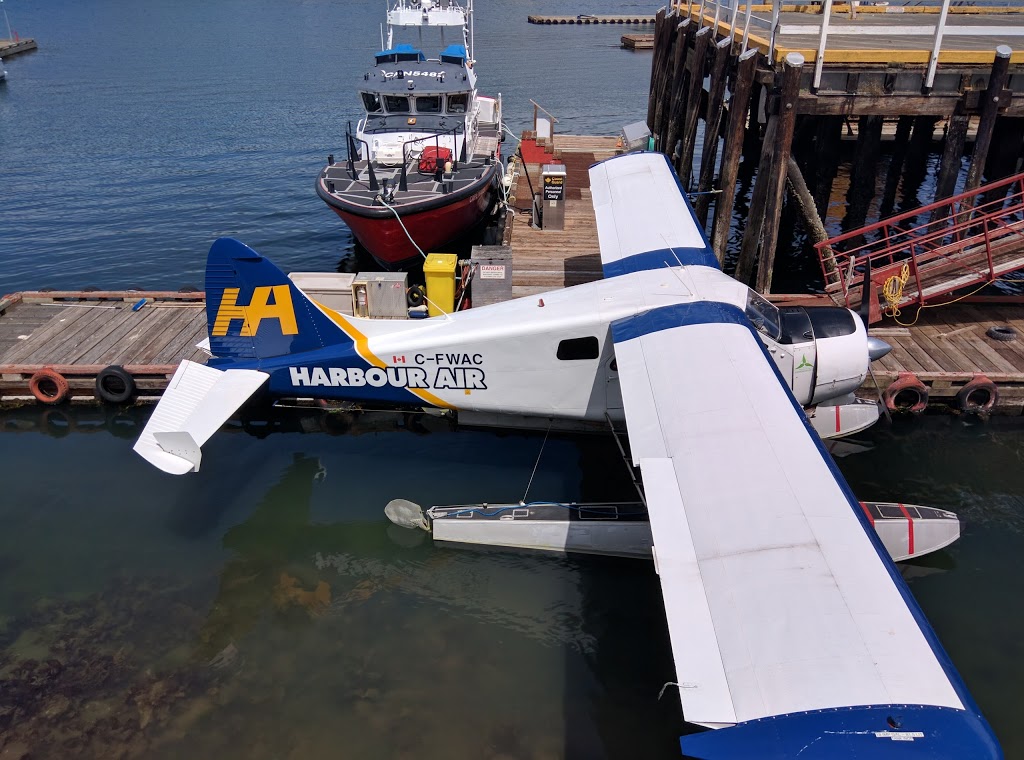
(492,274)
(380,295)
(331,289)
(552,180)
(636,136)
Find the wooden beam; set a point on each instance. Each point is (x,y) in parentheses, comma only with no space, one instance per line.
(712,127)
(739,106)
(776,185)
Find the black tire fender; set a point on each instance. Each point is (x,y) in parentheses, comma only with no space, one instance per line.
(114,385)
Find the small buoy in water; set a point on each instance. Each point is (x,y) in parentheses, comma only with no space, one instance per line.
(406,514)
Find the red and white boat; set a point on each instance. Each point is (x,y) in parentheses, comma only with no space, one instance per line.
(423,165)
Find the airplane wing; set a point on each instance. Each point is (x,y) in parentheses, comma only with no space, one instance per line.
(791,629)
(198,400)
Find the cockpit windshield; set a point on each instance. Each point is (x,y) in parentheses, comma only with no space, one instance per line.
(371,102)
(764,315)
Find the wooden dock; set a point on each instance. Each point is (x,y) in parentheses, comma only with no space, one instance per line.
(548,259)
(80,333)
(637,41)
(9,48)
(585,18)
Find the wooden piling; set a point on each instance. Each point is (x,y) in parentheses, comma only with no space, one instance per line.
(828,140)
(990,104)
(904,127)
(659,52)
(863,172)
(915,167)
(677,99)
(696,84)
(952,152)
(665,76)
(712,127)
(739,106)
(786,117)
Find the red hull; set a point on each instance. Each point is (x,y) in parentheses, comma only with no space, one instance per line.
(432,228)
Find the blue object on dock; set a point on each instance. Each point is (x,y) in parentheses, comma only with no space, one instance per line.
(139,304)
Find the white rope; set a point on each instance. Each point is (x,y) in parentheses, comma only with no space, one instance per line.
(402,224)
(536,464)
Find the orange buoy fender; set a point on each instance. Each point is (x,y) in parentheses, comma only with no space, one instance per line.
(48,386)
(908,384)
(979,395)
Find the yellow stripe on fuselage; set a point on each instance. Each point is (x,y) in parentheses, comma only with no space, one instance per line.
(362,346)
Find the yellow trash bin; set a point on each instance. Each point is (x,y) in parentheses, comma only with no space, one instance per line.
(439,271)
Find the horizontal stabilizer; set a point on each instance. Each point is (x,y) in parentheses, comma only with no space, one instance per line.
(182,445)
(198,400)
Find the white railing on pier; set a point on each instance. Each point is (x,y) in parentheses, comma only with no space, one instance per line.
(733,13)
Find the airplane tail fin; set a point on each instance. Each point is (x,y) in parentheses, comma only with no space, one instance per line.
(254,311)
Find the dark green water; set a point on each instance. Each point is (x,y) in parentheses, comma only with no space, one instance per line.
(252,611)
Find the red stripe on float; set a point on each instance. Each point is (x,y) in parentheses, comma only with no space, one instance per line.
(871,517)
(837,419)
(910,529)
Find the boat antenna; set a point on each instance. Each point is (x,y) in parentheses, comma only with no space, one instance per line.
(10,34)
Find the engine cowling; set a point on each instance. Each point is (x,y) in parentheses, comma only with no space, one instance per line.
(824,349)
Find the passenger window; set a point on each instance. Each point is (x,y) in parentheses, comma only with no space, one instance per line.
(371,102)
(457,103)
(428,104)
(575,349)
(396,103)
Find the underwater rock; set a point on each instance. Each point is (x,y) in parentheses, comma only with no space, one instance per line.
(288,592)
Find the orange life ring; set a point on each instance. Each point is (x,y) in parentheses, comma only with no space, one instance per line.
(979,395)
(48,386)
(908,384)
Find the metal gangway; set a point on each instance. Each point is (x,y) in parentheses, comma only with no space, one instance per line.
(925,255)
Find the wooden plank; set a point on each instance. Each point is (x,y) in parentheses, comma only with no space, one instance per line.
(918,353)
(157,337)
(63,318)
(194,324)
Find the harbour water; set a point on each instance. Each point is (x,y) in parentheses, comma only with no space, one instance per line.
(265,607)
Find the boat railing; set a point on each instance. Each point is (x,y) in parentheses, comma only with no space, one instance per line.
(403,180)
(350,146)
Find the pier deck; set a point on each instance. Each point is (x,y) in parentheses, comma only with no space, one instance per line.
(549,259)
(80,333)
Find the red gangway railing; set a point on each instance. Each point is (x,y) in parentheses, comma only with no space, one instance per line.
(963,240)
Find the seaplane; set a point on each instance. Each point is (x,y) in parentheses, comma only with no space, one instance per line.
(792,631)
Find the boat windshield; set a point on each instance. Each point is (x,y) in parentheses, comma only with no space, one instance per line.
(428,104)
(457,102)
(396,103)
(371,102)
(764,315)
